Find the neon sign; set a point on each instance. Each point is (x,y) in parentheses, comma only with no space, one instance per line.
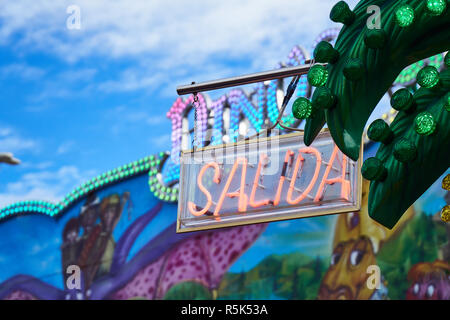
(268,179)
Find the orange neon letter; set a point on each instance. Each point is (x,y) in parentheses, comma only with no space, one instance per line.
(243,199)
(294,175)
(192,206)
(345,184)
(289,153)
(256,183)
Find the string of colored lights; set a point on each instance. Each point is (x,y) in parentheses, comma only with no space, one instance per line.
(296,57)
(239,102)
(155,181)
(121,173)
(408,76)
(217,109)
(176,113)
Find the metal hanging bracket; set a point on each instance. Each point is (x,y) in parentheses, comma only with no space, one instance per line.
(245,79)
(285,72)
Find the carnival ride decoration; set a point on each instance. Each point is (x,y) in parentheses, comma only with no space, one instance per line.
(361,67)
(167,259)
(219,121)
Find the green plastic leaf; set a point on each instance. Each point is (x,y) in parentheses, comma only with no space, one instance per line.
(407,181)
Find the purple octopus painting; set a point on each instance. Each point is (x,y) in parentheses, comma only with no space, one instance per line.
(429,281)
(108,271)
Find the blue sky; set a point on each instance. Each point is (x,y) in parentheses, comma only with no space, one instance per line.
(75,103)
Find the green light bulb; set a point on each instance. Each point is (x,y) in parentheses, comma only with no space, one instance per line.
(404,16)
(436,7)
(379,131)
(323,98)
(342,13)
(317,75)
(302,108)
(428,77)
(324,53)
(402,100)
(354,69)
(447,60)
(424,123)
(404,150)
(373,169)
(375,38)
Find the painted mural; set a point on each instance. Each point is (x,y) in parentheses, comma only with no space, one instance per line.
(124,242)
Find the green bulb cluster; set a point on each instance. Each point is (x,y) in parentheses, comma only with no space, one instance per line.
(404,15)
(408,75)
(373,170)
(425,124)
(158,189)
(375,38)
(325,53)
(354,69)
(379,131)
(436,7)
(323,98)
(107,178)
(302,108)
(42,207)
(405,150)
(428,77)
(317,75)
(341,13)
(402,100)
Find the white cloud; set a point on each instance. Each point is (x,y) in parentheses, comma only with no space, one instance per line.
(38,165)
(167,41)
(5,132)
(11,141)
(131,80)
(65,147)
(44,185)
(78,74)
(161,141)
(156,120)
(123,116)
(21,70)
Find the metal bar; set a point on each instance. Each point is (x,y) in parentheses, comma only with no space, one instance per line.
(245,79)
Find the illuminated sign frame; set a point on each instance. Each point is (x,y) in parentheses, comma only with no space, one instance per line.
(250,211)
